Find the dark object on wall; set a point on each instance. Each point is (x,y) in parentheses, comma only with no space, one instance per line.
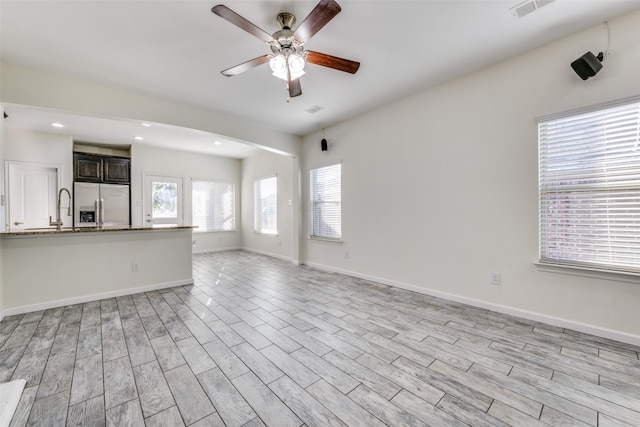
(5,114)
(587,65)
(323,144)
(97,168)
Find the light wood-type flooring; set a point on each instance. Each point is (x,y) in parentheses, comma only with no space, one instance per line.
(259,341)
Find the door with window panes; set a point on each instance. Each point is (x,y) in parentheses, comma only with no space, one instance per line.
(163,201)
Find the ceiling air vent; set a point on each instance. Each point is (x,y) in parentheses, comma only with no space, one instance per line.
(528,7)
(314,109)
(541,3)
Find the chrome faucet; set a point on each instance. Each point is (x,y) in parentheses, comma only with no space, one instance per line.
(58,222)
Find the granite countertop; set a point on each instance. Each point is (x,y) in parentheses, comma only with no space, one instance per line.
(73,230)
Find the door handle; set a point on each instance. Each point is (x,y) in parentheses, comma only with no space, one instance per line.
(101,212)
(18,223)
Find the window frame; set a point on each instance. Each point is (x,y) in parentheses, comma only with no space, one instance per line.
(233,205)
(575,193)
(258,217)
(312,206)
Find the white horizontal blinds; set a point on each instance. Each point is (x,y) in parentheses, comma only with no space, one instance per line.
(213,205)
(590,189)
(266,205)
(326,199)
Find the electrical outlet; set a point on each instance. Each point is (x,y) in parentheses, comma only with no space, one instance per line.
(346,254)
(495,278)
(135,266)
(194,243)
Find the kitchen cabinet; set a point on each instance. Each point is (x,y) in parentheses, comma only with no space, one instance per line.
(96,168)
(116,170)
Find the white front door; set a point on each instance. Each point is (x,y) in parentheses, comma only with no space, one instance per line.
(162,201)
(32,195)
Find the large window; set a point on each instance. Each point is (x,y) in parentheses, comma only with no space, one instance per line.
(589,181)
(265,205)
(213,205)
(326,199)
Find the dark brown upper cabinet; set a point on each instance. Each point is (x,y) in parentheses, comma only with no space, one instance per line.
(116,169)
(95,168)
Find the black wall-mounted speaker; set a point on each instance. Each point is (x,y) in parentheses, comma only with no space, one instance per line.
(587,65)
(323,144)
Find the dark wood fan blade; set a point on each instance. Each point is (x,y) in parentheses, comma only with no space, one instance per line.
(294,88)
(334,62)
(245,66)
(324,12)
(225,13)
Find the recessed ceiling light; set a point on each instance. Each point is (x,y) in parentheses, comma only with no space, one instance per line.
(218,143)
(138,138)
(57,125)
(147,125)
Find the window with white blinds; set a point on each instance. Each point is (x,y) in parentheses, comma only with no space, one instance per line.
(265,205)
(326,200)
(213,205)
(589,181)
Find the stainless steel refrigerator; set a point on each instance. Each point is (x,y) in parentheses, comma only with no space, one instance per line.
(101,205)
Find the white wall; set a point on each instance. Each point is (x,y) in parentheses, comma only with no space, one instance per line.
(440,189)
(147,160)
(2,194)
(23,145)
(263,165)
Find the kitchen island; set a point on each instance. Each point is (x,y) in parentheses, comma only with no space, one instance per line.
(45,268)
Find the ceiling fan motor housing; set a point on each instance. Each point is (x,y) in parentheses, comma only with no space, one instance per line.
(286,20)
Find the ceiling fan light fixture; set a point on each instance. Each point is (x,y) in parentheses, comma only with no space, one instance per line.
(296,64)
(278,66)
(293,62)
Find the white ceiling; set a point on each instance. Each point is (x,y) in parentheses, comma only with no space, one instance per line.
(176,49)
(117,132)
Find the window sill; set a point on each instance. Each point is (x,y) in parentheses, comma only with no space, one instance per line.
(195,230)
(326,240)
(596,273)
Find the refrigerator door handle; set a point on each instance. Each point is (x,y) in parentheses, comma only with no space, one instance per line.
(101,212)
(97,213)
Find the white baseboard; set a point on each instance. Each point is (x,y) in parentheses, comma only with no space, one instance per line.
(204,251)
(530,315)
(11,311)
(269,254)
(296,262)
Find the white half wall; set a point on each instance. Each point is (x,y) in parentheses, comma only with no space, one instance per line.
(44,271)
(440,189)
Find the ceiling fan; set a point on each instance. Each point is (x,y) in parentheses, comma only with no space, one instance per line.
(288,56)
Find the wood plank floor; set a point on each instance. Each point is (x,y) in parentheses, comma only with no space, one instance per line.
(258,341)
